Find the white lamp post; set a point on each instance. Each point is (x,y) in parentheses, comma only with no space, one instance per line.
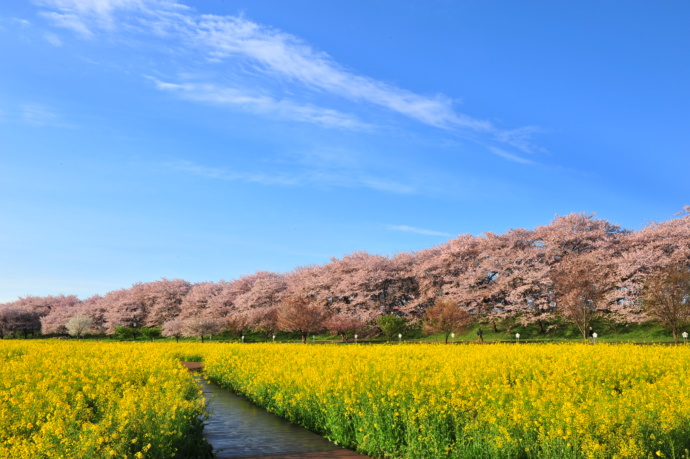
(517,337)
(452,337)
(399,337)
(355,338)
(594,337)
(243,338)
(274,338)
(685,338)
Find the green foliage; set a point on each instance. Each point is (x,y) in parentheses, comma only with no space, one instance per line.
(555,331)
(151,333)
(126,333)
(392,325)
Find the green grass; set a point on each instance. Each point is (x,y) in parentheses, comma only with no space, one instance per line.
(645,333)
(631,333)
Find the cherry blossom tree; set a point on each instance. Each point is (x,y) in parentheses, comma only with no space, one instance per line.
(173,328)
(446,316)
(199,327)
(95,307)
(237,324)
(497,278)
(55,321)
(451,269)
(574,234)
(344,325)
(636,256)
(313,283)
(20,319)
(10,320)
(26,313)
(264,321)
(298,315)
(78,325)
(236,295)
(196,302)
(29,310)
(371,285)
(125,309)
(667,297)
(578,289)
(262,289)
(145,304)
(162,299)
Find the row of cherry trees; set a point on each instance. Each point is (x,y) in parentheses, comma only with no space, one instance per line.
(575,267)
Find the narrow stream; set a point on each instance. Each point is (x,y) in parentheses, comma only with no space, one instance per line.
(238,428)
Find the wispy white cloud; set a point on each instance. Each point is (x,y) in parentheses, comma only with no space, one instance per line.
(300,177)
(225,174)
(68,21)
(411,229)
(288,70)
(23,23)
(259,103)
(196,169)
(521,138)
(40,115)
(86,17)
(382,184)
(286,56)
(53,39)
(511,156)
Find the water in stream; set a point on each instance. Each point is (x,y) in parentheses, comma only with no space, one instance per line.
(238,428)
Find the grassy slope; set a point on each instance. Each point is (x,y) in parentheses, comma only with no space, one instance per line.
(633,333)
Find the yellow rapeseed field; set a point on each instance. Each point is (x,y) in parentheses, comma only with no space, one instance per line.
(96,400)
(77,399)
(511,401)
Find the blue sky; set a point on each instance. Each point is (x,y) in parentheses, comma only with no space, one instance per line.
(206,140)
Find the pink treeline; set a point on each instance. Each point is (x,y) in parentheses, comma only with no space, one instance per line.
(494,277)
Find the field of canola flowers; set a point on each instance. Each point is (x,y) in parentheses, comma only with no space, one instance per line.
(498,401)
(133,400)
(97,400)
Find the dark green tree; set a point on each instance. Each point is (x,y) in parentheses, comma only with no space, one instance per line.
(151,332)
(392,325)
